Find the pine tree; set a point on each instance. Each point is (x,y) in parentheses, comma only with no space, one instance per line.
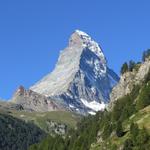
(128,144)
(119,129)
(134,130)
(144,56)
(142,137)
(144,97)
(131,65)
(124,68)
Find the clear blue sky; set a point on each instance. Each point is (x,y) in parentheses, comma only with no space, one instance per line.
(32,33)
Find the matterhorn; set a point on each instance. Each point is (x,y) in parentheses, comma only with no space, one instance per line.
(81,81)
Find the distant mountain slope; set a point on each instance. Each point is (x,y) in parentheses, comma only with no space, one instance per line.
(54,122)
(32,101)
(80,78)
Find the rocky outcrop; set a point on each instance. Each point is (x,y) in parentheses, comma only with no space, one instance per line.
(56,128)
(128,80)
(32,101)
(81,77)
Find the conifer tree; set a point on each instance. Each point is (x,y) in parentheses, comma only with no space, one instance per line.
(124,68)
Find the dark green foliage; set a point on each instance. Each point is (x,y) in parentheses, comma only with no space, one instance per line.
(123,108)
(114,147)
(146,54)
(132,64)
(134,130)
(140,140)
(124,68)
(144,97)
(108,128)
(135,92)
(80,139)
(142,137)
(128,144)
(16,134)
(119,129)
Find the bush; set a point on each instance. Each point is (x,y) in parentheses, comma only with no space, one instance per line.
(119,129)
(146,54)
(128,144)
(144,97)
(132,64)
(134,131)
(123,108)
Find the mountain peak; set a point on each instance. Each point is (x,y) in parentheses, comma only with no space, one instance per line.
(85,41)
(82,34)
(80,77)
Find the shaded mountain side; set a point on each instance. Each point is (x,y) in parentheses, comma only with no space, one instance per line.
(16,134)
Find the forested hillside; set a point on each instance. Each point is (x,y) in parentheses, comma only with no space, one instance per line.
(16,134)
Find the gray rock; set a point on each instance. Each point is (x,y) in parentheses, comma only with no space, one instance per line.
(128,80)
(56,128)
(32,101)
(81,80)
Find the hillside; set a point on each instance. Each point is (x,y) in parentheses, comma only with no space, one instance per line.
(27,128)
(51,122)
(108,130)
(142,119)
(16,134)
(123,126)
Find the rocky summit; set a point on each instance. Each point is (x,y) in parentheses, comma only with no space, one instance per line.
(81,80)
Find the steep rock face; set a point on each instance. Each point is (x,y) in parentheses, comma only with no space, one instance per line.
(128,80)
(32,101)
(81,80)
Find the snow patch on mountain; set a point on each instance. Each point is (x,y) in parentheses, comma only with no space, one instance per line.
(94,105)
(90,43)
(92,113)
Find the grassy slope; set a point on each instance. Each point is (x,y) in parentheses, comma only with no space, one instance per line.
(40,118)
(142,118)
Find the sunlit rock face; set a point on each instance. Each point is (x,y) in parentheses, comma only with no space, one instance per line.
(29,100)
(81,80)
(128,81)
